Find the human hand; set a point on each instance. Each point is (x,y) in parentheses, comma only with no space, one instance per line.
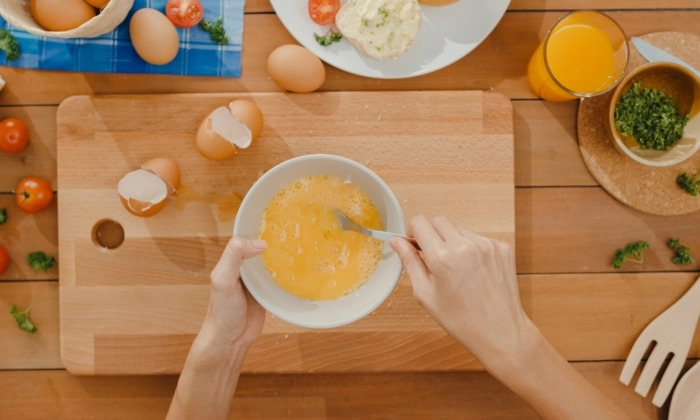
(233,322)
(233,316)
(468,283)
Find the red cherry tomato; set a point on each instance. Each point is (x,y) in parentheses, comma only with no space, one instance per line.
(14,135)
(33,194)
(4,260)
(323,11)
(184,13)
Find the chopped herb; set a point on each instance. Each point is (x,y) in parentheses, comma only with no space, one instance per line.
(39,261)
(3,216)
(690,184)
(650,117)
(22,318)
(216,31)
(330,37)
(682,253)
(385,15)
(631,252)
(379,20)
(9,44)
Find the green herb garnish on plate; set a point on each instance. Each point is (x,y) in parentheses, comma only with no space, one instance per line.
(330,37)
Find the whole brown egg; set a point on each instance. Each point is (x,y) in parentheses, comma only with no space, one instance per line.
(295,68)
(61,15)
(154,37)
(100,4)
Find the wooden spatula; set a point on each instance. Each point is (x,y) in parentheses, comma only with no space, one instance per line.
(671,332)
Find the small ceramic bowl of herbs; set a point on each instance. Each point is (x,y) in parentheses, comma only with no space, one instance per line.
(654,114)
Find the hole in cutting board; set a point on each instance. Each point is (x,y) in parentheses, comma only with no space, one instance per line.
(108,234)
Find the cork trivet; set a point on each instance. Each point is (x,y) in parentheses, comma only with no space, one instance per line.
(648,189)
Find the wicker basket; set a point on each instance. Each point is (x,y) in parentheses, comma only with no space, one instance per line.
(16,13)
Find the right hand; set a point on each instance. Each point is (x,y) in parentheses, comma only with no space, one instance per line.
(468,283)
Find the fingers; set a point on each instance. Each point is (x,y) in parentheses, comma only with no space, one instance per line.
(440,230)
(237,250)
(425,232)
(447,230)
(411,260)
(471,235)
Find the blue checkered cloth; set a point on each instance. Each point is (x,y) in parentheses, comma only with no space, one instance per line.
(114,53)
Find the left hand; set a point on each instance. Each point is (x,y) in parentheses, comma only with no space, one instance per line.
(234,317)
(233,322)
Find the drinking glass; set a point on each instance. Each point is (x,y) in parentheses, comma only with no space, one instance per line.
(584,54)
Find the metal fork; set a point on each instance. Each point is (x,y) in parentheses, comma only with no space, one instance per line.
(672,332)
(348,224)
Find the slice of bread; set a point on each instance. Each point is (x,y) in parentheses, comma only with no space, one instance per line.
(382,29)
(437,2)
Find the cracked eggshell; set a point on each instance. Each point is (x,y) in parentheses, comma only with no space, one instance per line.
(227,128)
(143,192)
(167,169)
(249,114)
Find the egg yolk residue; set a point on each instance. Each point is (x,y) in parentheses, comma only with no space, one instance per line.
(308,253)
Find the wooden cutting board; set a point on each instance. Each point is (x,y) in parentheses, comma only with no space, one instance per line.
(137,308)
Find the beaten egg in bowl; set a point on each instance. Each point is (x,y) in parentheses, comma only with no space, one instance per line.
(308,252)
(354,296)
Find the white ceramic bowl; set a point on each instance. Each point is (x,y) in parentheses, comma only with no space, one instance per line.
(328,313)
(675,81)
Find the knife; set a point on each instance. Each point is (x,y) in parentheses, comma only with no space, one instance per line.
(653,53)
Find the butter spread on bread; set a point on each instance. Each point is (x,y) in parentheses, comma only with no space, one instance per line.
(382,29)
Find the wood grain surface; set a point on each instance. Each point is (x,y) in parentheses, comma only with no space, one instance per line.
(136,309)
(567,226)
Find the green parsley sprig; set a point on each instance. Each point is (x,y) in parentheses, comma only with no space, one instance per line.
(22,318)
(329,38)
(216,30)
(40,261)
(688,183)
(631,252)
(681,254)
(9,44)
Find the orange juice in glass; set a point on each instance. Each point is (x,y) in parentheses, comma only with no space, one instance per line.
(584,54)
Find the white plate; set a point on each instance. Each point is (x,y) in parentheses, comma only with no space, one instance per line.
(447,34)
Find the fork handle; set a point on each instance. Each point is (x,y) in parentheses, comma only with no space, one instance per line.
(385,236)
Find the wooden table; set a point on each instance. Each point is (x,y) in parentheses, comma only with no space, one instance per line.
(567,228)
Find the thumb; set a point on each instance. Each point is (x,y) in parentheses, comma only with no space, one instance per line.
(237,250)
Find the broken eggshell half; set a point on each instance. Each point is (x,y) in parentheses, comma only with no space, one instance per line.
(143,192)
(227,128)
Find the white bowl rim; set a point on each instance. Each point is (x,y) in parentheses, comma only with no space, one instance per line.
(648,162)
(379,299)
(631,153)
